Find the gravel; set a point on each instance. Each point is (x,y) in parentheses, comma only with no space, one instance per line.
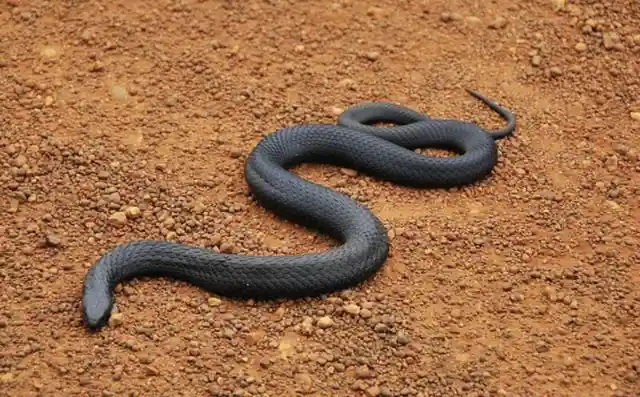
(129,120)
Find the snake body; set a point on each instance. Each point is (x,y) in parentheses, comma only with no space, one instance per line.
(383,152)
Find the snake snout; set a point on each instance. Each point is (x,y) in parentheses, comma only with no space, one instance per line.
(97,310)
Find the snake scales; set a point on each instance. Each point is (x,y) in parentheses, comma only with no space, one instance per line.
(383,152)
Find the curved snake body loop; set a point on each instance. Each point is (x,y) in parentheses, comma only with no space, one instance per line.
(383,152)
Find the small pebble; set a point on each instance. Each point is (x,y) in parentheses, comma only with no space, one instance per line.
(20,160)
(352,309)
(373,391)
(610,40)
(116,319)
(555,71)
(7,377)
(226,248)
(581,47)
(536,60)
(363,372)
(325,322)
(498,23)
(381,328)
(403,339)
(118,218)
(53,240)
(349,172)
(450,16)
(171,101)
(132,212)
(49,52)
(214,302)
(373,56)
(558,5)
(119,93)
(473,20)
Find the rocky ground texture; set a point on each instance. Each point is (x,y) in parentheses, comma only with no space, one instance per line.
(131,119)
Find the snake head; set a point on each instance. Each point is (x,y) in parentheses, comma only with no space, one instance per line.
(96,308)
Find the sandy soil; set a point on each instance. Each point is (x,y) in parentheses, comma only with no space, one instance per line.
(131,119)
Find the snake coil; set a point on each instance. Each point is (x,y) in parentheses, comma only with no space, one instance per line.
(383,152)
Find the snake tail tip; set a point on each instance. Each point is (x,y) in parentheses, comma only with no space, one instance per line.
(478,95)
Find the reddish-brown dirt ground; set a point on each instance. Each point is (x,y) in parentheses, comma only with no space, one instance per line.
(131,119)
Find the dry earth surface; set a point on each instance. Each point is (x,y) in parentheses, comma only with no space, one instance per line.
(131,119)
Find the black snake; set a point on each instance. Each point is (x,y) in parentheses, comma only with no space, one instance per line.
(383,152)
